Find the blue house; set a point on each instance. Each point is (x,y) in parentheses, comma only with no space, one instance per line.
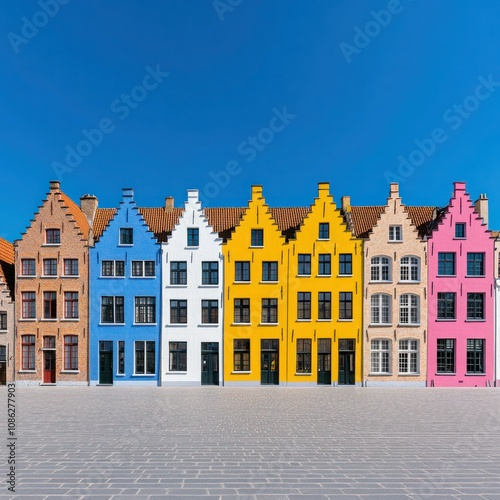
(125,298)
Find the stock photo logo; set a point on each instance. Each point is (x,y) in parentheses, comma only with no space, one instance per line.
(223,6)
(121,107)
(454,117)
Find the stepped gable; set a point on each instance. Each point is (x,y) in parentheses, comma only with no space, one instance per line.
(79,217)
(102,219)
(7,273)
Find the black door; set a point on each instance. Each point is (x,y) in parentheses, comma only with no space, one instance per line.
(105,363)
(346,368)
(210,363)
(269,363)
(324,362)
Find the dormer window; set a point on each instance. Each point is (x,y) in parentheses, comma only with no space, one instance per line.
(395,233)
(53,236)
(126,236)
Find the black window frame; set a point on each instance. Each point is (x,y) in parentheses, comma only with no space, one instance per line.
(269,311)
(270,270)
(304,356)
(210,312)
(210,272)
(345,264)
(241,355)
(345,305)
(475,263)
(303,305)
(257,238)
(325,264)
(304,264)
(178,311)
(115,309)
(475,356)
(193,237)
(242,270)
(126,236)
(475,306)
(241,311)
(324,231)
(445,361)
(177,356)
(446,263)
(178,272)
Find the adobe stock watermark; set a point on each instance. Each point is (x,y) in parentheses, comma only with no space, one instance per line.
(121,107)
(31,27)
(248,149)
(372,29)
(453,117)
(223,6)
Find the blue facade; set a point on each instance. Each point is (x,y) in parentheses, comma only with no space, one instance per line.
(125,301)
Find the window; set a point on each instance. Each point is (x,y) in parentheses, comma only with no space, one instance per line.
(257,238)
(210,311)
(193,237)
(3,354)
(121,357)
(28,349)
(242,355)
(242,271)
(178,311)
(269,271)
(379,356)
(71,305)
(210,273)
(71,352)
(324,305)
(324,264)
(53,236)
(178,356)
(410,269)
(304,264)
(28,267)
(475,356)
(303,355)
(178,273)
(460,230)
(446,263)
(408,356)
(126,236)
(71,267)
(395,233)
(49,342)
(380,269)
(446,356)
(112,310)
(145,357)
(345,305)
(145,310)
(29,305)
(143,268)
(380,309)
(3,321)
(446,305)
(408,309)
(242,310)
(113,268)
(304,305)
(475,264)
(269,311)
(324,231)
(475,306)
(49,305)
(345,263)
(50,267)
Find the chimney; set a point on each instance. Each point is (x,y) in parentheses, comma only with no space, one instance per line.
(394,189)
(481,207)
(346,203)
(55,185)
(88,205)
(169,203)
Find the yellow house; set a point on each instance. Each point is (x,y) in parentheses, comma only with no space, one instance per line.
(255,296)
(325,296)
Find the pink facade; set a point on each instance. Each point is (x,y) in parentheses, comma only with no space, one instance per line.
(461,296)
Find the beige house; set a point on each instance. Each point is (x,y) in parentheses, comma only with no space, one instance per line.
(52,313)
(395,290)
(6,312)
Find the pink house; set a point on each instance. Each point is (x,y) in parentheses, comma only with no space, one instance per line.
(461,295)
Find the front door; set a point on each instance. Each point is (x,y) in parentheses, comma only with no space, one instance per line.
(105,363)
(49,359)
(346,362)
(3,365)
(209,363)
(324,362)
(269,364)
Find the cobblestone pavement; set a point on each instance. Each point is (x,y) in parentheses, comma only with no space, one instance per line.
(260,443)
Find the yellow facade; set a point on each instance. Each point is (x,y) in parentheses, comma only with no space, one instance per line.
(336,267)
(264,365)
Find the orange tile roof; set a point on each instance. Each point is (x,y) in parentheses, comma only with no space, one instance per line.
(78,215)
(7,264)
(224,218)
(421,217)
(161,220)
(101,220)
(289,217)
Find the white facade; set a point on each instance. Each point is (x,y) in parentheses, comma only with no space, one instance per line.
(187,281)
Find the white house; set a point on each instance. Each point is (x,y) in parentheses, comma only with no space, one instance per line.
(192,286)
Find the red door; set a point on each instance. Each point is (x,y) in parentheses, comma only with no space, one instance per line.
(49,360)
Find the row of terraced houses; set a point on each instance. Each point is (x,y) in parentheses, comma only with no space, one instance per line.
(304,296)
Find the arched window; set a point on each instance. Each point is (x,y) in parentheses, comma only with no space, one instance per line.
(409,313)
(380,269)
(410,269)
(381,309)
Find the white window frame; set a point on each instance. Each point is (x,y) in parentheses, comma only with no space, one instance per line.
(409,264)
(409,348)
(377,265)
(396,233)
(409,303)
(380,356)
(379,303)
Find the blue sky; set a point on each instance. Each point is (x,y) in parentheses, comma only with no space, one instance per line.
(167,95)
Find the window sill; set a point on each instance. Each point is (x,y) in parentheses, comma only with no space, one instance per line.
(241,324)
(323,276)
(177,325)
(303,276)
(208,325)
(76,372)
(408,325)
(119,374)
(267,324)
(482,320)
(449,374)
(69,320)
(387,374)
(241,282)
(51,245)
(144,324)
(304,320)
(408,374)
(209,286)
(475,276)
(345,275)
(240,372)
(395,241)
(268,282)
(176,372)
(111,324)
(26,371)
(445,320)
(70,276)
(324,320)
(48,320)
(142,277)
(408,282)
(27,320)
(21,276)
(345,320)
(303,374)
(475,374)
(49,276)
(388,282)
(177,286)
(143,374)
(191,247)
(256,246)
(379,325)
(125,244)
(112,277)
(446,275)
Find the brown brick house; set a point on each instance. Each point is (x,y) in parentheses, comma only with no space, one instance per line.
(51,262)
(6,312)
